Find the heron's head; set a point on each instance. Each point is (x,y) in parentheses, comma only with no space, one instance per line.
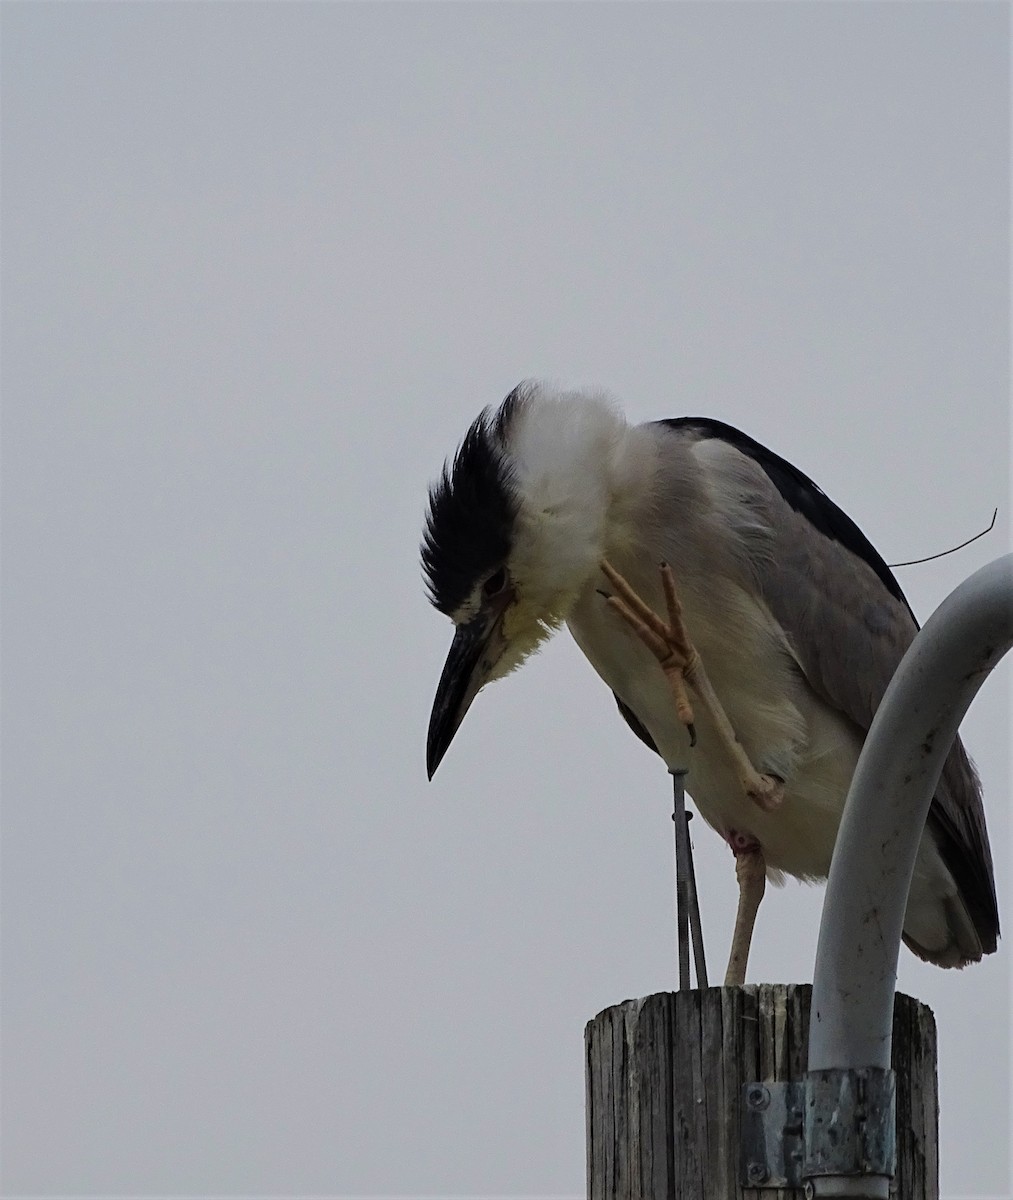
(515,531)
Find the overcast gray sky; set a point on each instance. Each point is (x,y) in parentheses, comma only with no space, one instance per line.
(261,267)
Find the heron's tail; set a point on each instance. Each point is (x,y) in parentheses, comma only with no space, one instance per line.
(952,916)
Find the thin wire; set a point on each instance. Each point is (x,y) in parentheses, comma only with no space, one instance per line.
(943,553)
(681,877)
(699,960)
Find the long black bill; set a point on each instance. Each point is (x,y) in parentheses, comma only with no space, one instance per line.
(476,647)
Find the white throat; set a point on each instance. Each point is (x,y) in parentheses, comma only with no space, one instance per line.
(578,466)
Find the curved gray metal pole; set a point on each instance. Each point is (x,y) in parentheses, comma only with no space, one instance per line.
(888,802)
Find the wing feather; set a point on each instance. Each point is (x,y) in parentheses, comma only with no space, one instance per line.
(846,619)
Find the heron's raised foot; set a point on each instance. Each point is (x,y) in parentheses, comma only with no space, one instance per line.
(669,642)
(766,790)
(751,872)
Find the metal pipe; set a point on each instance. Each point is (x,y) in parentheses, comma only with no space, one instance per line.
(889,798)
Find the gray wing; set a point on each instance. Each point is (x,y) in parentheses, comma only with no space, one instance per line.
(635,723)
(848,624)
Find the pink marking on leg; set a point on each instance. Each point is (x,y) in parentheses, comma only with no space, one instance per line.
(741,843)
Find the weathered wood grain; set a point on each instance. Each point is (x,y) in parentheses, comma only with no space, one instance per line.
(664,1086)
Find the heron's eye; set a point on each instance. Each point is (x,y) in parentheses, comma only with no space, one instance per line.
(495,583)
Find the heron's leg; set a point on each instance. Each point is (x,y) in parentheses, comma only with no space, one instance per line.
(669,643)
(751,872)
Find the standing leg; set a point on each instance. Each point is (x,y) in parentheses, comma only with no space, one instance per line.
(751,872)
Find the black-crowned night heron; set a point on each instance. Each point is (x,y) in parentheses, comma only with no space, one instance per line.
(777,612)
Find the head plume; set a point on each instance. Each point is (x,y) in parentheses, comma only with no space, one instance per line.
(472,509)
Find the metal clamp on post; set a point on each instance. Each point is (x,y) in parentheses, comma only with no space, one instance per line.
(850,1122)
(771,1142)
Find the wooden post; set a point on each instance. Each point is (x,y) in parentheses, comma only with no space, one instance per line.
(664,1090)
